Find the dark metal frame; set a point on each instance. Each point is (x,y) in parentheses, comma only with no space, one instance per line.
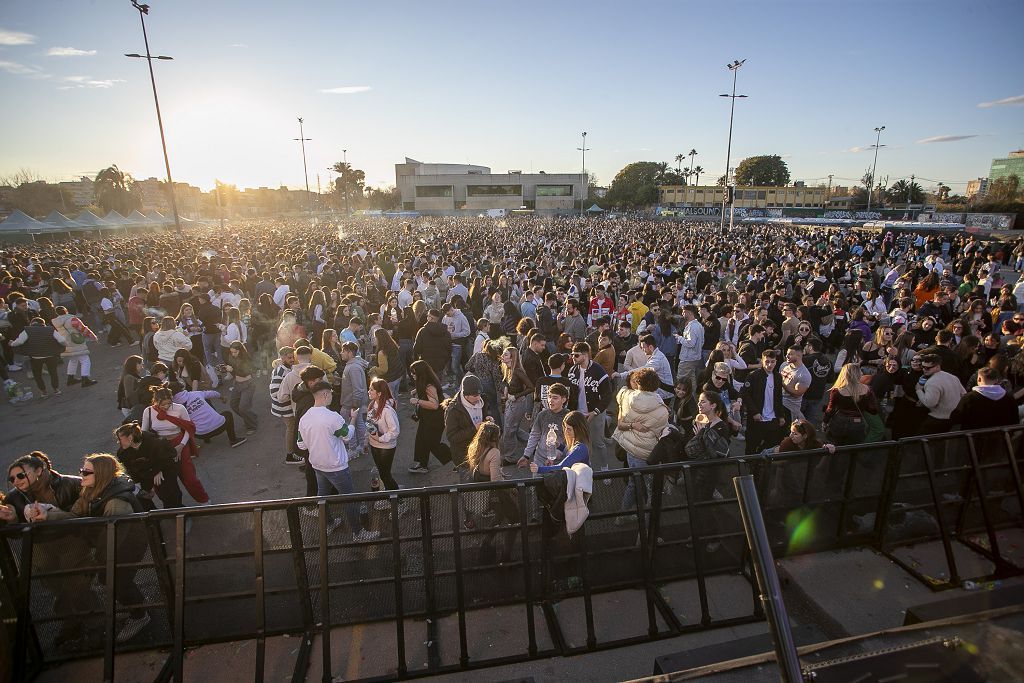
(542,548)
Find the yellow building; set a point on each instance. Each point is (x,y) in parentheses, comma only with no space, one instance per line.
(754,197)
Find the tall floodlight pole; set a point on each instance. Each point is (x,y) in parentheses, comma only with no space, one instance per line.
(583,175)
(734,67)
(874,166)
(143,11)
(344,180)
(302,140)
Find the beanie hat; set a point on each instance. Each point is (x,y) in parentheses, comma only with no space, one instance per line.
(471,385)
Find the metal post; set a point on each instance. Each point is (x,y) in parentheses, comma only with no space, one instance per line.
(734,67)
(344,160)
(583,174)
(874,166)
(144,10)
(910,191)
(305,172)
(767,579)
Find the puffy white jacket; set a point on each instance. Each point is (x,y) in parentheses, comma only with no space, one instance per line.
(646,411)
(167,342)
(579,484)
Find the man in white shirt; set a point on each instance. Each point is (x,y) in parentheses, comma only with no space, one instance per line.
(691,343)
(323,433)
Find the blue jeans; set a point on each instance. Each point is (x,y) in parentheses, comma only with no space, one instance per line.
(211,347)
(395,385)
(629,495)
(456,360)
(342,482)
(359,422)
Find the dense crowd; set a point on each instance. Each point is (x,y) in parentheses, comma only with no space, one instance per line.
(526,343)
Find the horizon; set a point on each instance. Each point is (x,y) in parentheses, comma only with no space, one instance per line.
(461,83)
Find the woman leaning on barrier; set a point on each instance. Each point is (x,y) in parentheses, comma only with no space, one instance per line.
(108,492)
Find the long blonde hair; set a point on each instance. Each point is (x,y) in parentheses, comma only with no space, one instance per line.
(488,436)
(849,379)
(509,370)
(105,469)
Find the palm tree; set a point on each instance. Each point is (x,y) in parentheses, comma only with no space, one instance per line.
(679,161)
(905,191)
(115,191)
(692,154)
(686,175)
(696,172)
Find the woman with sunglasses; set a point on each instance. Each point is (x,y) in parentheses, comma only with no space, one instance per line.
(108,492)
(34,480)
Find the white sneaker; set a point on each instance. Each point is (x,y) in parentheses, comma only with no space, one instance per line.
(366,535)
(132,626)
(13,367)
(335,525)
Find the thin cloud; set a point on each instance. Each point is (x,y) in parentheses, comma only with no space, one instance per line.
(238,45)
(69,52)
(19,69)
(945,138)
(860,149)
(89,82)
(346,89)
(1005,102)
(15,37)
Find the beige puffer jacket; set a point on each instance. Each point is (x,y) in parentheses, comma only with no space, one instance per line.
(650,415)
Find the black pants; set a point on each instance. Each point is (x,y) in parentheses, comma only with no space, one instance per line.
(228,426)
(933,425)
(168,490)
(51,364)
(311,485)
(117,329)
(383,459)
(762,435)
(428,438)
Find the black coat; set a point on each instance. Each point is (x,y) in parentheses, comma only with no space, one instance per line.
(977,411)
(753,394)
(434,345)
(65,488)
(153,455)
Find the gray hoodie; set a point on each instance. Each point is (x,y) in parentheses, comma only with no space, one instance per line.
(536,446)
(353,384)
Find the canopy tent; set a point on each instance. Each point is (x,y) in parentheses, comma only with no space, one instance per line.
(116,219)
(595,209)
(156,217)
(22,223)
(136,217)
(90,220)
(62,223)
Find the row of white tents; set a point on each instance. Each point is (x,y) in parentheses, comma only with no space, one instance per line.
(19,223)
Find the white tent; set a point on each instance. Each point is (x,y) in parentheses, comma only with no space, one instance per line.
(595,209)
(19,222)
(156,217)
(115,219)
(89,219)
(62,223)
(137,218)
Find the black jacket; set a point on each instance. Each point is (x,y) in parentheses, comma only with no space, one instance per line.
(976,411)
(152,456)
(66,490)
(458,428)
(753,394)
(433,344)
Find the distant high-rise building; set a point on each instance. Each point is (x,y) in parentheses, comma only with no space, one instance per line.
(1013,164)
(977,188)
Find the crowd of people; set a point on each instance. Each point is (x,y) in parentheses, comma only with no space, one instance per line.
(520,346)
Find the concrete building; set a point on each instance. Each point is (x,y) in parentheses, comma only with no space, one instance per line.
(154,197)
(1007,166)
(755,197)
(977,188)
(440,188)
(77,193)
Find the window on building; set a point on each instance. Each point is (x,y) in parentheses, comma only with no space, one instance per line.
(761,194)
(433,190)
(494,190)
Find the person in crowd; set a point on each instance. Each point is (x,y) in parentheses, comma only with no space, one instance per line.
(151,462)
(389,361)
(796,380)
(354,395)
(323,432)
(170,422)
(987,404)
(383,429)
(849,400)
(642,417)
(188,370)
(546,440)
(192,327)
(43,345)
(76,335)
(281,402)
(239,365)
(767,416)
(486,366)
(36,481)
(518,403)
(427,398)
(168,339)
(209,423)
(576,432)
(591,395)
(938,391)
(463,413)
(433,343)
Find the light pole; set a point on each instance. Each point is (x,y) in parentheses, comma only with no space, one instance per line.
(583,178)
(345,177)
(734,67)
(874,166)
(144,10)
(302,140)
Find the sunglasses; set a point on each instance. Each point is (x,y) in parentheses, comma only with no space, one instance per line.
(721,378)
(926,367)
(19,476)
(85,473)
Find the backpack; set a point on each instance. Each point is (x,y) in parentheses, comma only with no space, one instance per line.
(707,444)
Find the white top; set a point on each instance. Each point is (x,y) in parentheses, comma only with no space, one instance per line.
(167,430)
(317,427)
(768,412)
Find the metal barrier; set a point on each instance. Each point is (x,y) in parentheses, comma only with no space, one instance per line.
(449,557)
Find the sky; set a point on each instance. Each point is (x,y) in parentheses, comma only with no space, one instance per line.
(510,86)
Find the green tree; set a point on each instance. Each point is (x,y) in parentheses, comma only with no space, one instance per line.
(763,170)
(697,170)
(637,183)
(384,198)
(115,190)
(679,162)
(349,184)
(33,195)
(1003,189)
(902,189)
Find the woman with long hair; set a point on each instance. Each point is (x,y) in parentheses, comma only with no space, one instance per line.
(192,326)
(168,339)
(383,429)
(518,402)
(850,352)
(486,365)
(189,371)
(848,400)
(171,422)
(239,364)
(427,398)
(317,313)
(405,334)
(389,360)
(576,431)
(127,387)
(233,330)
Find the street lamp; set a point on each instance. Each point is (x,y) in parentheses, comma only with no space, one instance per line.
(302,140)
(144,10)
(874,166)
(583,185)
(734,67)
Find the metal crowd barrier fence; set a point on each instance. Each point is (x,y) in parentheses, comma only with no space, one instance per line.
(661,554)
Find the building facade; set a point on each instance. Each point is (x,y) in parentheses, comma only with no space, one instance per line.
(464,187)
(977,188)
(755,197)
(1007,166)
(154,197)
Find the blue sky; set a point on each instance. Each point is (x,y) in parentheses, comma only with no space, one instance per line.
(510,86)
